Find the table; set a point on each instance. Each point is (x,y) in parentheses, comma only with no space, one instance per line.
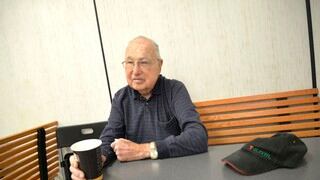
(209,166)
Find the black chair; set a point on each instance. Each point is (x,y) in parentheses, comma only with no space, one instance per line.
(67,135)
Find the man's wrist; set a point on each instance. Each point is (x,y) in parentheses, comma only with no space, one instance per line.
(145,151)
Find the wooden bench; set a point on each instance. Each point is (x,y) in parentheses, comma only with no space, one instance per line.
(241,119)
(21,154)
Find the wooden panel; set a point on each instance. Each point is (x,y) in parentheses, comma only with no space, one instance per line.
(13,143)
(18,149)
(51,142)
(241,119)
(34,171)
(35,177)
(266,120)
(243,139)
(257,105)
(53,173)
(52,159)
(29,155)
(19,156)
(52,154)
(257,97)
(51,148)
(260,113)
(51,135)
(53,166)
(50,129)
(32,166)
(236,139)
(7,139)
(16,164)
(270,128)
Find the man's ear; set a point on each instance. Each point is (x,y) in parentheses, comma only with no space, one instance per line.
(160,63)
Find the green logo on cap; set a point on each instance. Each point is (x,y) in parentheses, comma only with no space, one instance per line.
(262,153)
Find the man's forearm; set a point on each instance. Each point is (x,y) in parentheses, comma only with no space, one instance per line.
(191,141)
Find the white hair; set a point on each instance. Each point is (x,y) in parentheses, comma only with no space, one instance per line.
(156,46)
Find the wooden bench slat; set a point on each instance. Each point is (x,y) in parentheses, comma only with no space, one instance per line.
(52,135)
(53,166)
(32,171)
(53,159)
(265,120)
(273,128)
(244,139)
(51,142)
(19,153)
(15,164)
(29,154)
(52,173)
(21,170)
(240,119)
(308,133)
(257,105)
(51,148)
(257,97)
(34,177)
(17,142)
(261,113)
(236,139)
(50,129)
(52,153)
(4,141)
(20,148)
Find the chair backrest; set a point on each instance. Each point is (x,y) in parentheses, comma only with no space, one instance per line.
(241,119)
(67,135)
(30,154)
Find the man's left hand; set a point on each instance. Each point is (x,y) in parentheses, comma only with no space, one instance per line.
(127,150)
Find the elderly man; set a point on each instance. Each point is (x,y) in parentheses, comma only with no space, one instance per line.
(153,117)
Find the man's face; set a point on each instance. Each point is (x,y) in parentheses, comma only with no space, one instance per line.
(142,67)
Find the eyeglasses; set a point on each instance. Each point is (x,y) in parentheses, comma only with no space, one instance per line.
(143,63)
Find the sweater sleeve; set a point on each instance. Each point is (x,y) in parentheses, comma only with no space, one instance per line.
(114,129)
(193,138)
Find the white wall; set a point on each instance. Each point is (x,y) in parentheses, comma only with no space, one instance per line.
(51,66)
(315,7)
(219,49)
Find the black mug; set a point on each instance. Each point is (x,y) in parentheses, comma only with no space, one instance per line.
(88,153)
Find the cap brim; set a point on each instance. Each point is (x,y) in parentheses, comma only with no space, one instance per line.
(246,163)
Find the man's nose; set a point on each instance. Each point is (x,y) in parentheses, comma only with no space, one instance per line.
(136,68)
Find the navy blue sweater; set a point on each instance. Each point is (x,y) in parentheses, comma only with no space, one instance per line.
(176,129)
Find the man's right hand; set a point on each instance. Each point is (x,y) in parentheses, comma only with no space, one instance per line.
(76,173)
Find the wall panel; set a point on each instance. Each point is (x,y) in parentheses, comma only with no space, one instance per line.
(220,48)
(51,66)
(315,13)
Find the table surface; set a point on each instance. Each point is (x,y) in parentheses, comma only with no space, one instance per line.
(209,166)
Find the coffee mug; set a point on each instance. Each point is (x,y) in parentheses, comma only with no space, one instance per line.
(88,153)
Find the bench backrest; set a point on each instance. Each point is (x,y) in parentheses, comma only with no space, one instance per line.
(19,153)
(241,119)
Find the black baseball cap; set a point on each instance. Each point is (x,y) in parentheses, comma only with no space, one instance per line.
(282,150)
